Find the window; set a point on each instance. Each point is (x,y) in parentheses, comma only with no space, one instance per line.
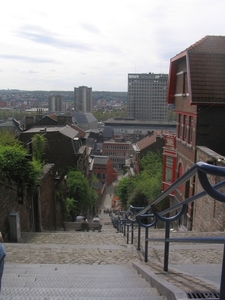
(169,174)
(169,169)
(180,127)
(185,128)
(180,173)
(185,83)
(191,126)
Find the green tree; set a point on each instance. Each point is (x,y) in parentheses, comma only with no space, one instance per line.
(38,147)
(139,190)
(15,166)
(7,139)
(78,189)
(103,116)
(138,198)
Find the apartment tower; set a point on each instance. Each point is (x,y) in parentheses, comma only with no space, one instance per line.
(83,99)
(55,103)
(147,97)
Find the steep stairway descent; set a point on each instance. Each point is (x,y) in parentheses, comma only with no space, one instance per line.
(57,281)
(74,265)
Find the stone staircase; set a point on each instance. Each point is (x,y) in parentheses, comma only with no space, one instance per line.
(35,281)
(74,265)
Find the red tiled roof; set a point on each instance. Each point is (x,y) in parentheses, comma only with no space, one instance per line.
(209,44)
(53,116)
(81,132)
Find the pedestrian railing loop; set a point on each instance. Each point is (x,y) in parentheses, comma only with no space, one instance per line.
(202,169)
(136,214)
(147,217)
(168,219)
(211,191)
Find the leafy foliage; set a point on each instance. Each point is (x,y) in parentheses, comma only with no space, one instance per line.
(15,164)
(109,96)
(7,139)
(78,190)
(141,189)
(38,147)
(105,115)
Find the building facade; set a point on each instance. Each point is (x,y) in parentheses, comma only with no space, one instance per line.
(118,152)
(196,88)
(55,103)
(147,97)
(103,169)
(83,99)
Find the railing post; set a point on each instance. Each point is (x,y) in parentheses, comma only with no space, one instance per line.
(146,244)
(166,250)
(139,238)
(124,229)
(128,234)
(222,282)
(132,233)
(118,226)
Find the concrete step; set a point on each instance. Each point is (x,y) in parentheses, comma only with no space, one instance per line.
(33,281)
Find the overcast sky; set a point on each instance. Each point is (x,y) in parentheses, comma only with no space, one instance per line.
(59,45)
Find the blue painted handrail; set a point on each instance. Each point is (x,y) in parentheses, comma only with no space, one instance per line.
(202,169)
(135,214)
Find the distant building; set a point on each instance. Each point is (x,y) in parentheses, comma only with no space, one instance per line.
(118,152)
(103,169)
(151,143)
(147,97)
(83,99)
(85,121)
(55,103)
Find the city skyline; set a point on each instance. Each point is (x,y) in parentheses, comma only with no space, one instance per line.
(55,46)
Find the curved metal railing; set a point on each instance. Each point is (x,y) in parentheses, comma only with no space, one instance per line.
(202,169)
(136,214)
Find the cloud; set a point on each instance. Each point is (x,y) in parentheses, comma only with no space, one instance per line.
(90,28)
(27,59)
(41,36)
(32,72)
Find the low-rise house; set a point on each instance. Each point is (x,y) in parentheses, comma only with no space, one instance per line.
(103,169)
(153,142)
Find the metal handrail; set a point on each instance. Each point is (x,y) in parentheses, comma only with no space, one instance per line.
(202,169)
(134,214)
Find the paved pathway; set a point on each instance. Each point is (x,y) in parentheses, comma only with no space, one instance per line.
(74,265)
(192,267)
(109,247)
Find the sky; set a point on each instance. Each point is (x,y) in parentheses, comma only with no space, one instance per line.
(59,45)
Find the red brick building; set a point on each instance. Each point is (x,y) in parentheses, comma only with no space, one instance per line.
(169,161)
(103,169)
(196,88)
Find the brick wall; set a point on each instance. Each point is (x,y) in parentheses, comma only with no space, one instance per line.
(9,203)
(209,214)
(43,211)
(51,206)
